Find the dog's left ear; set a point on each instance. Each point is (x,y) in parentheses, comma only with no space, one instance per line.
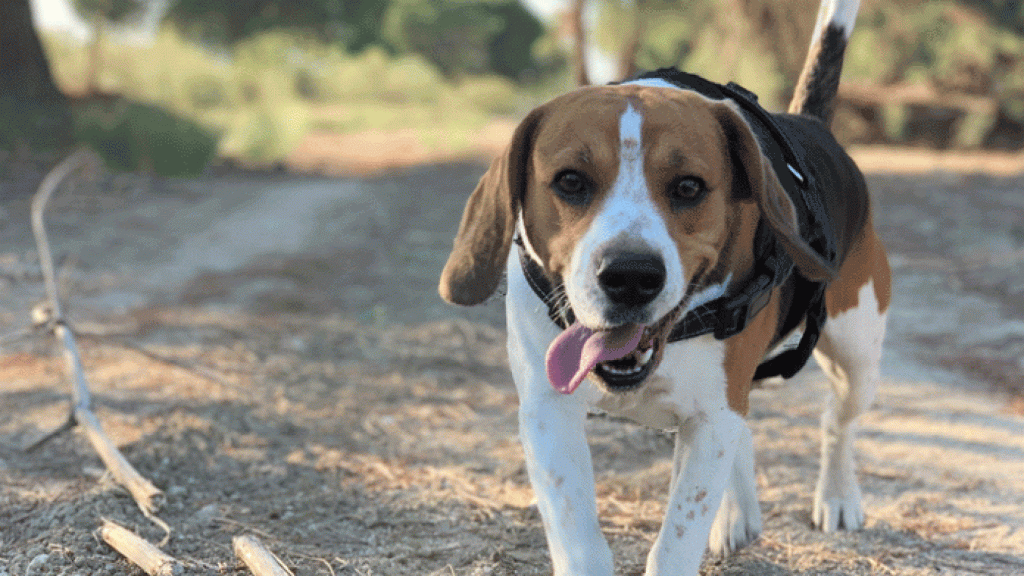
(484,239)
(753,177)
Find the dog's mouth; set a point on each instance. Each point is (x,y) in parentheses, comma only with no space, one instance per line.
(620,358)
(630,371)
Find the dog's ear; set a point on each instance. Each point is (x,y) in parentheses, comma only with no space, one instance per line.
(753,177)
(484,238)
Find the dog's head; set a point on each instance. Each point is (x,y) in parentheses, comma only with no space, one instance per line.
(640,202)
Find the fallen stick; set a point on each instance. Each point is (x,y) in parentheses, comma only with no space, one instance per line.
(260,560)
(151,559)
(148,497)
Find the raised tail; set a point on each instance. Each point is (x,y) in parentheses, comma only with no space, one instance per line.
(815,93)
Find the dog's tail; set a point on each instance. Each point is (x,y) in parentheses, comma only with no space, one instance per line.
(816,89)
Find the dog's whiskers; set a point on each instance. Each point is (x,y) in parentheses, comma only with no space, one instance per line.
(558,301)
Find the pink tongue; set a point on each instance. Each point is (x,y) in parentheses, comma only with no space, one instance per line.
(575,352)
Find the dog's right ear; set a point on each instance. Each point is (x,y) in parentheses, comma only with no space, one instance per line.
(484,238)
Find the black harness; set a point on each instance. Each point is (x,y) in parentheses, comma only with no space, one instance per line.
(728,315)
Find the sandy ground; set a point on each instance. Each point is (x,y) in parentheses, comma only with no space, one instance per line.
(363,427)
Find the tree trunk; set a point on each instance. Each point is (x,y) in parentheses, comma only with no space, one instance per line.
(92,85)
(627,58)
(578,33)
(32,109)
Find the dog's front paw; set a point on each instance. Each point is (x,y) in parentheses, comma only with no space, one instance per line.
(736,525)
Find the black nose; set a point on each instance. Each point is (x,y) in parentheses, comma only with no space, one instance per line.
(632,279)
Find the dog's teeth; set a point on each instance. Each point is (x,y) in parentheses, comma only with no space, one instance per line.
(622,371)
(645,356)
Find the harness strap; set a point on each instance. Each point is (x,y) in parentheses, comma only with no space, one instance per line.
(728,315)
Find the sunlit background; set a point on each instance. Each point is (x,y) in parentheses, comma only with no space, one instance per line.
(283,87)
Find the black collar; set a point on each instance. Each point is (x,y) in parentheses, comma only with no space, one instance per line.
(729,314)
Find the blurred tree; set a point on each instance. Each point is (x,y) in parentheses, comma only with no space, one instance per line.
(721,36)
(577,32)
(458,36)
(101,13)
(33,110)
(952,71)
(465,36)
(945,73)
(354,23)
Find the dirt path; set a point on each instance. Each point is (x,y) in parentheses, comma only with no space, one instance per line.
(369,429)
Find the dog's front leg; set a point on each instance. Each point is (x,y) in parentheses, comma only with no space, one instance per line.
(558,461)
(706,446)
(551,427)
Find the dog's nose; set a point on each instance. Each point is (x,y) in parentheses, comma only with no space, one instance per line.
(632,279)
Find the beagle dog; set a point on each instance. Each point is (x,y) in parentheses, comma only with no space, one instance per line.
(668,237)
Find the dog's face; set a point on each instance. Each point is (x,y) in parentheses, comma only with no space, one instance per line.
(639,202)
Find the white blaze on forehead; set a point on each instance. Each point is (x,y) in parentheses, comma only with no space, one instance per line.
(630,179)
(627,220)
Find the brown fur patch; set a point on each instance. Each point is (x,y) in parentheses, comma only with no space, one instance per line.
(744,352)
(865,261)
(571,140)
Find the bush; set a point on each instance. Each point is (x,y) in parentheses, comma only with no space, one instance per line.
(263,98)
(134,136)
(492,94)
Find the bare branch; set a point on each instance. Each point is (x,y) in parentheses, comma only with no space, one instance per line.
(260,560)
(148,497)
(79,159)
(151,559)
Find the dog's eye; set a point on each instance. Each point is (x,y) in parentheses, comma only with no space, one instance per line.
(686,191)
(572,186)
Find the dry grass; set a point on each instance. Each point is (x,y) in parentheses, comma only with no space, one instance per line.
(384,456)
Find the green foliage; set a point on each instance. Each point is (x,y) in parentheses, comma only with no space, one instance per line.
(968,47)
(36,123)
(133,136)
(458,36)
(354,24)
(1006,14)
(699,37)
(272,90)
(956,47)
(491,94)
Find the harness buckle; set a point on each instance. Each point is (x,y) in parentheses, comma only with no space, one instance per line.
(731,320)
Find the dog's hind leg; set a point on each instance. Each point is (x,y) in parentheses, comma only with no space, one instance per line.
(849,351)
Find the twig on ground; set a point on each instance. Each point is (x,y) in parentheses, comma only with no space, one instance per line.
(140,552)
(148,497)
(260,560)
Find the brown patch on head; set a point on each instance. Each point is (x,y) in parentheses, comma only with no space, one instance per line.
(684,135)
(581,133)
